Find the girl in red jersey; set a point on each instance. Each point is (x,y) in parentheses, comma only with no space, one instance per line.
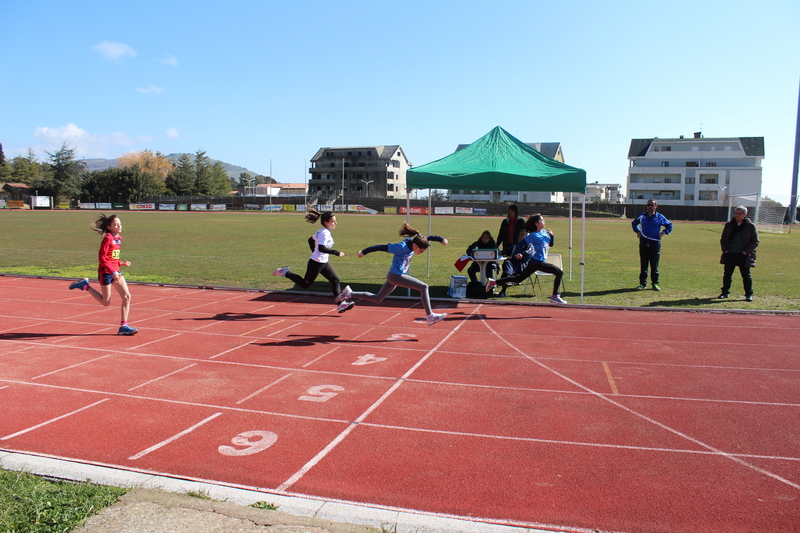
(110,227)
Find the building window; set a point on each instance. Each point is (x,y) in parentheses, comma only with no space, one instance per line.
(390,176)
(666,148)
(369,152)
(711,164)
(655,148)
(390,187)
(689,181)
(708,196)
(691,164)
(665,163)
(708,179)
(688,196)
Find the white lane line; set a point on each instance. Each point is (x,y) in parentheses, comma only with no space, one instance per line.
(37,426)
(155,341)
(162,377)
(320,357)
(335,442)
(173,438)
(259,391)
(72,366)
(643,416)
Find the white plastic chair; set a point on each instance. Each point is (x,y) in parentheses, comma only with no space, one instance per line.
(553,259)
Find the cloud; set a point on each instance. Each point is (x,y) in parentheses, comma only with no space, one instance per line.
(84,143)
(170,60)
(172,133)
(112,50)
(151,89)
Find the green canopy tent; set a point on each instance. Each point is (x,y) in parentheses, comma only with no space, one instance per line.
(498,161)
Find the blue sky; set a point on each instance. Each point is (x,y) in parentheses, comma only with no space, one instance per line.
(260,83)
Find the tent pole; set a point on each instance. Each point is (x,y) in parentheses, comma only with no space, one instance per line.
(570,236)
(408,219)
(583,240)
(429,230)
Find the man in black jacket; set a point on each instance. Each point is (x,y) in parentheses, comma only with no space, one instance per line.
(738,242)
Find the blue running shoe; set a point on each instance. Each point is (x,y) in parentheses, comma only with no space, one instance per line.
(79,284)
(127,330)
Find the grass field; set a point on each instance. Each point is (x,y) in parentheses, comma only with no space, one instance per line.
(234,249)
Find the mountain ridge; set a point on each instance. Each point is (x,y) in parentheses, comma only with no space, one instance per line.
(233,171)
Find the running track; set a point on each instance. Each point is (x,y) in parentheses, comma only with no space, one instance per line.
(558,418)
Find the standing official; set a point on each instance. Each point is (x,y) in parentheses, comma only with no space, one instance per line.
(648,229)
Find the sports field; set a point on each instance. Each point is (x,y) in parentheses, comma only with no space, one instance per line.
(234,249)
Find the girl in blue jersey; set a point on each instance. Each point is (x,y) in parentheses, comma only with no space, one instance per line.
(541,239)
(320,244)
(398,276)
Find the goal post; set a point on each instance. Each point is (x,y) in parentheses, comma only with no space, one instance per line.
(766,212)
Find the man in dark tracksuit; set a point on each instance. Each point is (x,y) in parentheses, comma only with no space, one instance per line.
(648,228)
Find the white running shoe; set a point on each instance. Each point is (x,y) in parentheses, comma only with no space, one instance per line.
(280,271)
(433,318)
(344,305)
(556,299)
(490,285)
(346,294)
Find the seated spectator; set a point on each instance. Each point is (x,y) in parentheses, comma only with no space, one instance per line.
(486,242)
(518,260)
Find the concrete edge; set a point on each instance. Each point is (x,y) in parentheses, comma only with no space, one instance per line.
(336,516)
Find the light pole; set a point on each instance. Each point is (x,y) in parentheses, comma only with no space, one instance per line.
(250,183)
(365,182)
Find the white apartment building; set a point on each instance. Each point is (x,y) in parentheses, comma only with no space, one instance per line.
(353,172)
(604,192)
(551,150)
(694,171)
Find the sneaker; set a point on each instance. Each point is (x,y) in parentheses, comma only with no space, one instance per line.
(502,293)
(346,294)
(127,330)
(344,305)
(640,288)
(556,299)
(656,287)
(724,295)
(490,285)
(433,318)
(280,271)
(748,298)
(79,284)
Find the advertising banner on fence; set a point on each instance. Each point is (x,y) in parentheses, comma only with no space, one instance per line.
(85,205)
(414,210)
(142,207)
(198,207)
(272,208)
(479,211)
(64,205)
(442,210)
(463,210)
(103,205)
(253,206)
(117,206)
(166,207)
(361,209)
(182,207)
(390,210)
(217,207)
(15,204)
(288,207)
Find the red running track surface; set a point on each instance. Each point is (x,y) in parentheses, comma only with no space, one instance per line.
(560,418)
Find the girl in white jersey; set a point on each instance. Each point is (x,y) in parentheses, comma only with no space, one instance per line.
(320,245)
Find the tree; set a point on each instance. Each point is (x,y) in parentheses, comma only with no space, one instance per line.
(149,162)
(218,183)
(62,177)
(180,181)
(5,168)
(129,184)
(202,173)
(26,169)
